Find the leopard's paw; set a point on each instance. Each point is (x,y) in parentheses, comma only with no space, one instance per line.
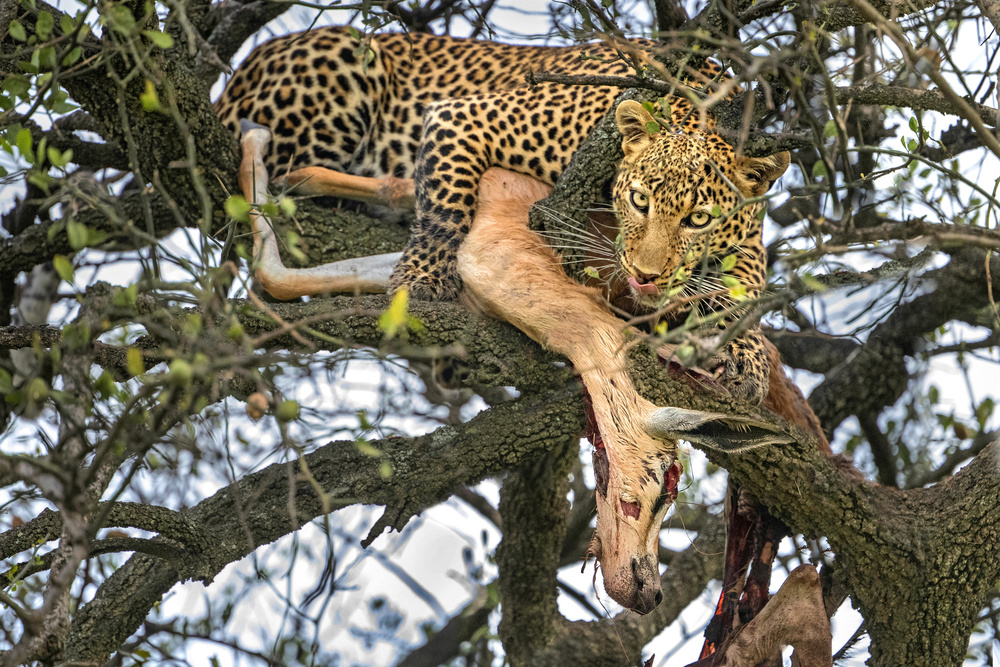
(745,380)
(422,284)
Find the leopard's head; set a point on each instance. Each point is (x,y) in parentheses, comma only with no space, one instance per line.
(684,201)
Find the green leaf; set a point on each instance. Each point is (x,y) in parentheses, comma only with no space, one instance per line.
(161,39)
(237,207)
(984,411)
(6,382)
(294,244)
(63,107)
(63,267)
(16,31)
(914,125)
(819,169)
(23,142)
(652,127)
(912,145)
(396,316)
(648,106)
(78,234)
(120,18)
(728,263)
(72,56)
(105,385)
(40,150)
(149,99)
(44,24)
(732,282)
(17,84)
(127,296)
(59,158)
(133,361)
(830,129)
(367,449)
(716,211)
(66,23)
(812,283)
(287,411)
(684,353)
(591,271)
(46,57)
(664,107)
(41,179)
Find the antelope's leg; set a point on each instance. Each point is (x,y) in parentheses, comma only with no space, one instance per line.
(362,274)
(511,274)
(740,542)
(390,191)
(795,616)
(770,531)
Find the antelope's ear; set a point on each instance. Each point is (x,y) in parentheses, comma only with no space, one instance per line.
(760,173)
(633,122)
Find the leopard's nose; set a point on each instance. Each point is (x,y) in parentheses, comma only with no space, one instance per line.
(642,278)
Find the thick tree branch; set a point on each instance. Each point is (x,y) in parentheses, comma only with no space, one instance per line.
(254,511)
(233,23)
(528,555)
(912,98)
(876,376)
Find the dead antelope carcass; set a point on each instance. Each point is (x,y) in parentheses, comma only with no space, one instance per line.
(510,273)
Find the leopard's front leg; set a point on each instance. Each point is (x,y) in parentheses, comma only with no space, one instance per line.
(743,363)
(745,367)
(533,132)
(448,169)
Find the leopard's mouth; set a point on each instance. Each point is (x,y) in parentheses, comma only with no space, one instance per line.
(643,289)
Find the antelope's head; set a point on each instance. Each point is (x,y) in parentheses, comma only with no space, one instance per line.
(636,483)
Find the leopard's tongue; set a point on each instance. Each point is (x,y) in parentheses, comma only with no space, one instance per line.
(648,289)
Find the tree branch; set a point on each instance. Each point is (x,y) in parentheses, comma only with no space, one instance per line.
(620,640)
(426,469)
(876,376)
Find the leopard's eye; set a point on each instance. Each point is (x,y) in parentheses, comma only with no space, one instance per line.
(698,219)
(639,200)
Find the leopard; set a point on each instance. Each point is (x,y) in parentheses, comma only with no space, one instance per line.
(689,210)
(445,111)
(442,110)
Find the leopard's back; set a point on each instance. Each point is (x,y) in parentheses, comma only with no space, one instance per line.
(329,105)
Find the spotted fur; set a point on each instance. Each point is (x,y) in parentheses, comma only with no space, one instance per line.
(443,110)
(687,227)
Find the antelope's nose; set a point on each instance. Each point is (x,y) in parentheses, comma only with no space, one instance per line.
(647,586)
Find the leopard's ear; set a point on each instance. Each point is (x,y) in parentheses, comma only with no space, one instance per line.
(635,123)
(760,173)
